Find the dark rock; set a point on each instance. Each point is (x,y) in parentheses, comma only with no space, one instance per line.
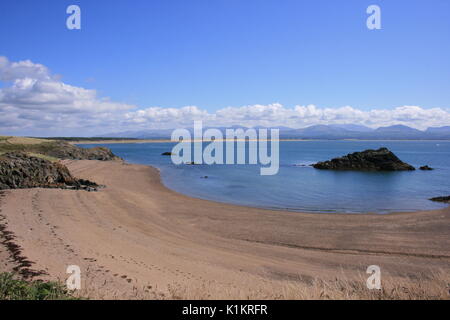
(19,170)
(441,199)
(167,153)
(426,168)
(368,160)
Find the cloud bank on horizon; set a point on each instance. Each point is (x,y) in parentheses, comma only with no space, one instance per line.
(36,102)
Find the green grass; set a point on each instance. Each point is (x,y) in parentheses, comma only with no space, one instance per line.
(34,147)
(42,156)
(12,288)
(77,139)
(37,155)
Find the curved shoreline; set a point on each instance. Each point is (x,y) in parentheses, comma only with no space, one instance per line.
(337,212)
(137,233)
(361,203)
(300,211)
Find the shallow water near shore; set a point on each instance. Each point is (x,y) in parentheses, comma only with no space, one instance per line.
(299,187)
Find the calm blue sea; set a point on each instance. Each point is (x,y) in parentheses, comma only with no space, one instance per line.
(298,188)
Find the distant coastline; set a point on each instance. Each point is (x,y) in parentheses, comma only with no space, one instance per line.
(116,141)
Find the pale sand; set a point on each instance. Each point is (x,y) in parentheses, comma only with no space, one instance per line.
(137,233)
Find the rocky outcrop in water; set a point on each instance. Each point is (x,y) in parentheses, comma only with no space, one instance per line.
(426,168)
(19,170)
(441,199)
(368,160)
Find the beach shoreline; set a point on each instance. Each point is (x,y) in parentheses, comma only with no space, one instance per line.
(138,239)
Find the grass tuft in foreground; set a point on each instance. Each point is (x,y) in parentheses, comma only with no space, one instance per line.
(12,288)
(433,287)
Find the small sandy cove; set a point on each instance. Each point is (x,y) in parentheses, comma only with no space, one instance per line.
(137,239)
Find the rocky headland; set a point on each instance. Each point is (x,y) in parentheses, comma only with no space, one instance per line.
(32,163)
(19,170)
(64,150)
(55,148)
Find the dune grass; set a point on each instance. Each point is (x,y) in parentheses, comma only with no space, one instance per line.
(434,287)
(12,288)
(22,140)
(43,156)
(34,147)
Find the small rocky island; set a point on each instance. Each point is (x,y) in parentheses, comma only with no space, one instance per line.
(369,160)
(19,170)
(441,199)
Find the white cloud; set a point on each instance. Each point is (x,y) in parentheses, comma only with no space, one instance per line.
(297,117)
(36,102)
(174,116)
(10,71)
(303,116)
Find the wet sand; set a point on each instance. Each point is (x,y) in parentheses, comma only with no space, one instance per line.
(136,235)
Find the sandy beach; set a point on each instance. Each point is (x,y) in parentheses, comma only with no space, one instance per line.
(137,239)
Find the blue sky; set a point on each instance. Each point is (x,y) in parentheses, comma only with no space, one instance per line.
(213,54)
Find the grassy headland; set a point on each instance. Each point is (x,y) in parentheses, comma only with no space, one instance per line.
(52,149)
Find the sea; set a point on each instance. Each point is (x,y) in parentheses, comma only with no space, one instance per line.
(298,187)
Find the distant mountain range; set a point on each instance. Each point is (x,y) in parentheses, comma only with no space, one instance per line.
(328,132)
